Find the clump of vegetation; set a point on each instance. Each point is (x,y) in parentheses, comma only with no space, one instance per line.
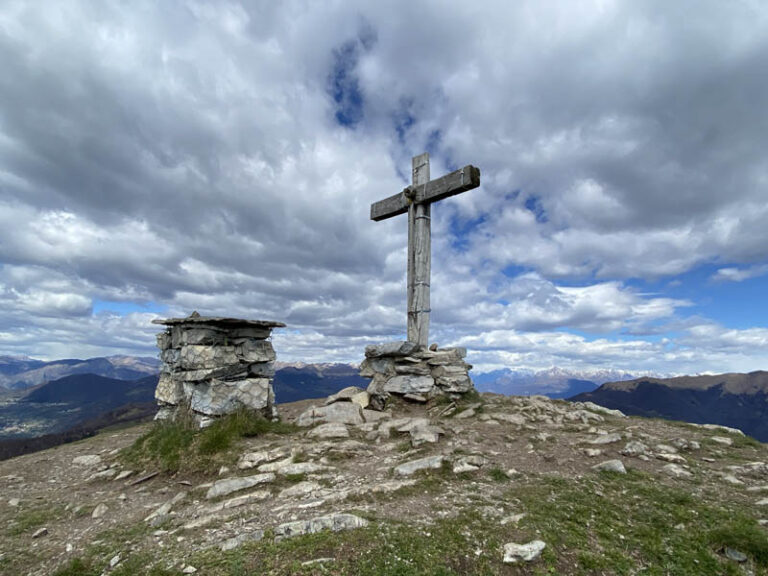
(77,567)
(498,475)
(29,519)
(178,445)
(607,524)
(137,564)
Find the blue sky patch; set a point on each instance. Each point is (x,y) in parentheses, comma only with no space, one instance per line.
(344,83)
(345,87)
(461,229)
(720,301)
(403,121)
(533,204)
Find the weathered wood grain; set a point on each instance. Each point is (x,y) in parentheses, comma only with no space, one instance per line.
(446,186)
(417,200)
(419,257)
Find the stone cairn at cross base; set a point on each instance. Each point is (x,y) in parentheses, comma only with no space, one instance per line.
(414,372)
(214,366)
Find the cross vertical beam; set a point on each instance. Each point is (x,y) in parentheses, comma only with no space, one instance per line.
(419,256)
(416,200)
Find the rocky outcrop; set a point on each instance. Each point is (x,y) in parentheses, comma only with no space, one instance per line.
(414,373)
(214,366)
(481,487)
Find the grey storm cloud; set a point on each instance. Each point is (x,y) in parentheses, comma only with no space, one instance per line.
(223,158)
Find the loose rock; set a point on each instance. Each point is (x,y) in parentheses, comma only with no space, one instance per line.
(241,539)
(722,440)
(329,430)
(515,553)
(99,511)
(87,460)
(333,522)
(341,412)
(224,487)
(606,439)
(429,463)
(610,466)
(676,470)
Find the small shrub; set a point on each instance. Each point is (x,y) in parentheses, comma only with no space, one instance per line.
(744,535)
(27,520)
(77,567)
(498,475)
(301,456)
(162,446)
(295,478)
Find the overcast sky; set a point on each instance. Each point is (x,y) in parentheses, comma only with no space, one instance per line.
(162,157)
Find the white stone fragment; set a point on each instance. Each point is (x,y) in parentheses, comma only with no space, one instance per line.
(241,539)
(87,460)
(514,553)
(428,463)
(329,430)
(229,485)
(343,412)
(301,468)
(675,458)
(254,459)
(300,490)
(610,466)
(722,440)
(165,508)
(333,522)
(606,439)
(676,471)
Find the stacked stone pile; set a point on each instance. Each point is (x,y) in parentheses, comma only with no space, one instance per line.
(413,372)
(214,366)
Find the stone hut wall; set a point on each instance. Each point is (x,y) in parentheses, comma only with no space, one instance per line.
(214,366)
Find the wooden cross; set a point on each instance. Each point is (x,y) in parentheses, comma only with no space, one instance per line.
(416,200)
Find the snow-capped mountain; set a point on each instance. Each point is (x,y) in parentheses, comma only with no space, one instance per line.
(554,382)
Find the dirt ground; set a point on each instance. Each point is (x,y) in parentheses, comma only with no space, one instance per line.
(48,500)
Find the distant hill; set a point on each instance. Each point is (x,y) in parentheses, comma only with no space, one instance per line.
(77,405)
(92,389)
(553,382)
(67,402)
(736,400)
(299,382)
(21,372)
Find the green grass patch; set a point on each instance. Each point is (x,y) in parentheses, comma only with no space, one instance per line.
(30,519)
(449,547)
(498,475)
(295,478)
(130,566)
(339,456)
(404,447)
(105,544)
(746,442)
(181,446)
(78,567)
(617,523)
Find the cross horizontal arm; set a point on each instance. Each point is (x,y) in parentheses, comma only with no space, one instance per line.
(449,185)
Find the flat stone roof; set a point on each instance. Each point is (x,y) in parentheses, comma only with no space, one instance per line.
(195,318)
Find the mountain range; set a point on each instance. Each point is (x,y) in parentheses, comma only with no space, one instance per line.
(81,399)
(735,400)
(71,398)
(553,382)
(21,372)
